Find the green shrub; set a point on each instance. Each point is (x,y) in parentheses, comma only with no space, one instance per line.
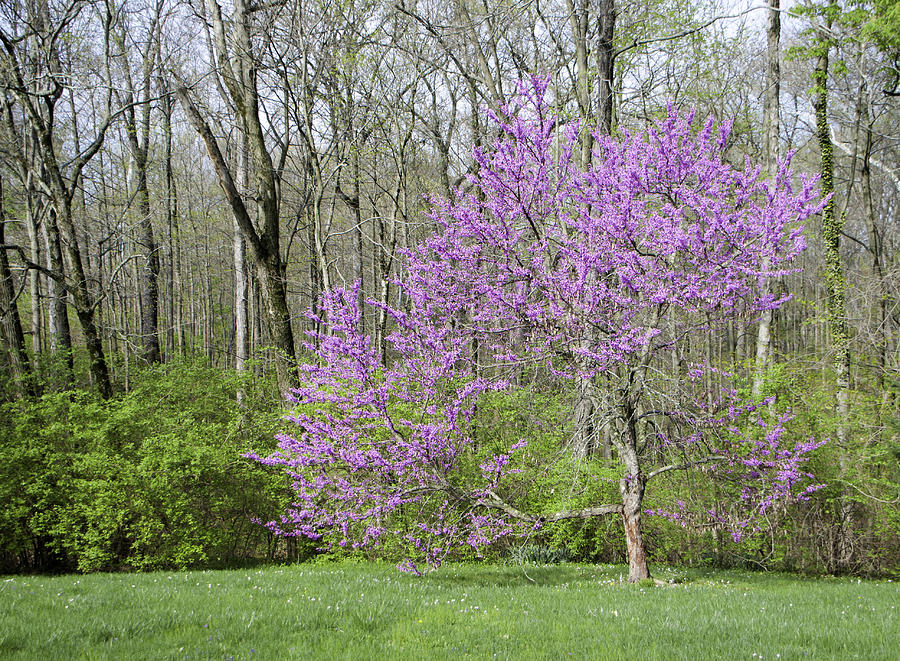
(152,479)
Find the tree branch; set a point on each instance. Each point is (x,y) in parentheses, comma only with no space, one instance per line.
(221,167)
(496,502)
(684,33)
(684,466)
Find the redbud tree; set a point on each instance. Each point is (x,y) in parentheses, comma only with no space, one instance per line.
(600,275)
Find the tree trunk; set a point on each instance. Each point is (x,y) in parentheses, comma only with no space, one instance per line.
(578,18)
(34,283)
(315,279)
(9,313)
(770,129)
(359,262)
(632,489)
(62,177)
(584,441)
(836,285)
(60,331)
(279,317)
(149,272)
(137,128)
(606,19)
(875,246)
(631,486)
(585,438)
(241,277)
(171,213)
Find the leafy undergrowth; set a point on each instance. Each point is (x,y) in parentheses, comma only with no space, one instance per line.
(366,611)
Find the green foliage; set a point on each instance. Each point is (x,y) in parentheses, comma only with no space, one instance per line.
(152,479)
(883,26)
(865,473)
(155,479)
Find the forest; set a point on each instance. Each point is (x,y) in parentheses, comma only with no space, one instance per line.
(205,205)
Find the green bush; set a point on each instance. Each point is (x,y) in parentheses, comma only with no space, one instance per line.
(152,479)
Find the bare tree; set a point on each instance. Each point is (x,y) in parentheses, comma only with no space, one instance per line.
(38,97)
(235,57)
(137,107)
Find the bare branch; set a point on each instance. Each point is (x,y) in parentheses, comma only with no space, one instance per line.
(685,466)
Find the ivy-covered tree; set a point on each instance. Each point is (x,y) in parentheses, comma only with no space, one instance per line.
(549,268)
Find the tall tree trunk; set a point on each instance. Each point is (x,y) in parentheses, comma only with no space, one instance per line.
(60,331)
(9,313)
(149,272)
(62,176)
(585,439)
(578,18)
(241,276)
(359,261)
(315,279)
(34,279)
(81,294)
(264,247)
(875,246)
(352,199)
(770,131)
(171,214)
(631,487)
(137,128)
(606,19)
(836,285)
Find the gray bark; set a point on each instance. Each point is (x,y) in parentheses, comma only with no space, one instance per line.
(606,19)
(241,275)
(770,137)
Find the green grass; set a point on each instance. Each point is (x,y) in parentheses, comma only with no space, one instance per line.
(363,611)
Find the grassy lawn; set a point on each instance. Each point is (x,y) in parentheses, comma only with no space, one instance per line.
(362,611)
